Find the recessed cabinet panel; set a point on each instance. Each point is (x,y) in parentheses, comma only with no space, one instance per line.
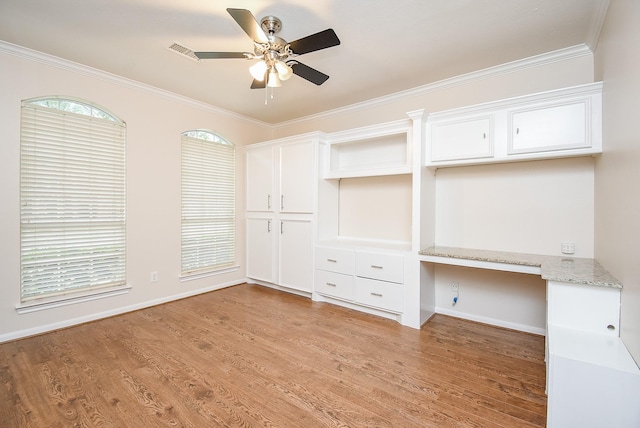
(295,258)
(296,178)
(462,139)
(549,128)
(379,294)
(385,267)
(260,171)
(335,260)
(260,239)
(334,284)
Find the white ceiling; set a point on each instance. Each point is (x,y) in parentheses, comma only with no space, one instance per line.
(386,45)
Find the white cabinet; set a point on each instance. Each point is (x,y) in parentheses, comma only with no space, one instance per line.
(548,127)
(296,181)
(364,278)
(295,258)
(559,123)
(281,193)
(584,307)
(260,251)
(463,138)
(260,179)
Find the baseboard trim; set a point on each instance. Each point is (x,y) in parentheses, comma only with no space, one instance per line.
(34,331)
(492,321)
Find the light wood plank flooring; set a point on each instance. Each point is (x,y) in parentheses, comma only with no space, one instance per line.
(249,356)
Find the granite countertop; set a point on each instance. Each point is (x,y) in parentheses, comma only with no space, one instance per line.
(553,268)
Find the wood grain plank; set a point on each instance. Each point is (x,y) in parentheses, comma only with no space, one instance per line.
(251,356)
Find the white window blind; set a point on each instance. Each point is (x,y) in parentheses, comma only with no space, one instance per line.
(208,202)
(72,198)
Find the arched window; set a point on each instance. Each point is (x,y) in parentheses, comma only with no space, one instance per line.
(208,202)
(72,198)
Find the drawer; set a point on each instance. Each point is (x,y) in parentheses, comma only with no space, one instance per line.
(379,294)
(334,284)
(335,260)
(385,267)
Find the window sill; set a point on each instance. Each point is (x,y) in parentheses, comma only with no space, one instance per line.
(198,275)
(58,301)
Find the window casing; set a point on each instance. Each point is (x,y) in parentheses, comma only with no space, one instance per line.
(208,203)
(72,199)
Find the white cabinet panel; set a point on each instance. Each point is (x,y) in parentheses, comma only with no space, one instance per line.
(334,284)
(260,175)
(335,260)
(554,124)
(379,294)
(462,139)
(549,127)
(295,258)
(584,307)
(260,249)
(296,178)
(385,267)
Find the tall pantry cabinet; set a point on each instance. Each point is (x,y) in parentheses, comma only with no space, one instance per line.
(281,207)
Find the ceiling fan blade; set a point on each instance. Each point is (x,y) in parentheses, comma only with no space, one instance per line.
(247,21)
(308,73)
(216,55)
(315,42)
(258,84)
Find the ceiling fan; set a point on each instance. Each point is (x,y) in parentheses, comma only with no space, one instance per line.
(276,56)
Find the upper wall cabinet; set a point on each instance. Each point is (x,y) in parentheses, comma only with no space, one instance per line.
(559,123)
(280,177)
(371,151)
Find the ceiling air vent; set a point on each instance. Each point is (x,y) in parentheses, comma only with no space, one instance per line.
(182,50)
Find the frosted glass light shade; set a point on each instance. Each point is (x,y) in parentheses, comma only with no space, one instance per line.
(284,71)
(258,70)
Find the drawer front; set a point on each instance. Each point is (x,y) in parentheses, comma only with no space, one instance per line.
(379,294)
(334,284)
(385,267)
(335,260)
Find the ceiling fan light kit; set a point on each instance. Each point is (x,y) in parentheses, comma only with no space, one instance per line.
(275,56)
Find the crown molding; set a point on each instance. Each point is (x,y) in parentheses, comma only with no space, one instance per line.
(74,67)
(597,22)
(510,67)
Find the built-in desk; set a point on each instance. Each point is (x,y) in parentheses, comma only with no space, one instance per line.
(552,268)
(592,380)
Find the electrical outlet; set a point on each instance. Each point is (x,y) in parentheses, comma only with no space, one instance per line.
(454,286)
(567,248)
(154,276)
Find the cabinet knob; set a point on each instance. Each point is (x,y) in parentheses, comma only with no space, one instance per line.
(330,284)
(332,260)
(268,201)
(376,267)
(376,294)
(611,327)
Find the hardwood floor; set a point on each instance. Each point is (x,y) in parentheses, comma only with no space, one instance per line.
(251,356)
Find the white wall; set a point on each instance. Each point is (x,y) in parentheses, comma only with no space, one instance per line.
(526,207)
(375,208)
(617,179)
(154,122)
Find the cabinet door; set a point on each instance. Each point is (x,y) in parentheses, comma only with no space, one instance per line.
(260,174)
(260,252)
(295,261)
(549,128)
(462,139)
(296,178)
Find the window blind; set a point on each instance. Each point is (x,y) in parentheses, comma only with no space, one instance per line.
(72,202)
(208,204)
